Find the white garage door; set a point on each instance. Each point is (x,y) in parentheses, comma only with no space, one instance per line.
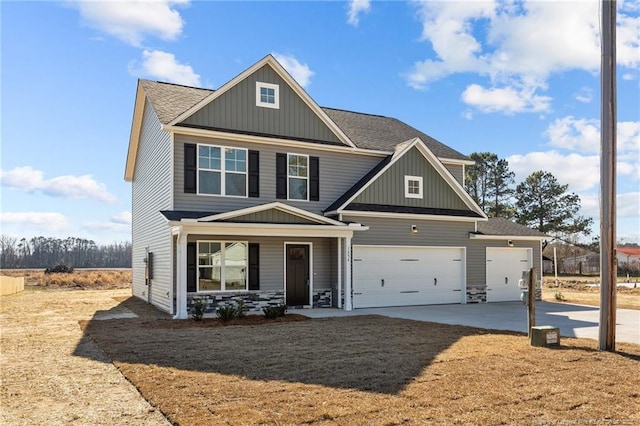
(402,276)
(504,270)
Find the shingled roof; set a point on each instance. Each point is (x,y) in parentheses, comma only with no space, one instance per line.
(501,226)
(366,131)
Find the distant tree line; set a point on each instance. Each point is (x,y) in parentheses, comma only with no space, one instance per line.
(43,252)
(539,202)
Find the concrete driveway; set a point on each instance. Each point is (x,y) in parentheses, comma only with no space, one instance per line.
(572,320)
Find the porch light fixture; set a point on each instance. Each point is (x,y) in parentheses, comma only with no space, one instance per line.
(414,229)
(510,243)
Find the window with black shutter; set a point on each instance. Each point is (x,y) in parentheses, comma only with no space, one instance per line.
(254,266)
(281,176)
(254,174)
(314,178)
(190,168)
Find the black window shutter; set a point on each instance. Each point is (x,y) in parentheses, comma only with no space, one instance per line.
(190,168)
(281,175)
(314,178)
(254,173)
(192,270)
(254,266)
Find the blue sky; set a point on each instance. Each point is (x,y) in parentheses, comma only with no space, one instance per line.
(520,79)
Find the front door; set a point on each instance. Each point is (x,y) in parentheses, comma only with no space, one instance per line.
(297,275)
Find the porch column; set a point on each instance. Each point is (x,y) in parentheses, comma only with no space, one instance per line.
(339,273)
(348,305)
(181,277)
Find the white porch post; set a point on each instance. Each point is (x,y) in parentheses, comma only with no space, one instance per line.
(347,274)
(181,277)
(339,272)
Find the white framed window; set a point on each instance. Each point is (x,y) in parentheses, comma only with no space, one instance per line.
(222,265)
(413,186)
(222,171)
(267,95)
(298,177)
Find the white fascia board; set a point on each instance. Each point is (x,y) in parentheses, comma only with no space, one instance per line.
(412,216)
(271,230)
(275,65)
(506,237)
(457,162)
(134,137)
(239,137)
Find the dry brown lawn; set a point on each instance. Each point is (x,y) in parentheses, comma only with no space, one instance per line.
(366,370)
(577,290)
(88,279)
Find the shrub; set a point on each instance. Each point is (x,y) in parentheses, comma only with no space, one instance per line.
(199,306)
(559,296)
(59,269)
(226,313)
(273,312)
(241,309)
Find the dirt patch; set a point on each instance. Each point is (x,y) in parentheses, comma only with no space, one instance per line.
(51,374)
(368,370)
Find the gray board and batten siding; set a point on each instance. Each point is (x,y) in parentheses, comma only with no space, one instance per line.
(151,193)
(388,189)
(338,172)
(236,110)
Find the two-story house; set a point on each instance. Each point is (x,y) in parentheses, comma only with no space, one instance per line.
(254,192)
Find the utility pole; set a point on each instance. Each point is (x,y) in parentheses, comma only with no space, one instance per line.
(608,262)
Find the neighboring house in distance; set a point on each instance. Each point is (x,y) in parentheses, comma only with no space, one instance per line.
(628,259)
(254,192)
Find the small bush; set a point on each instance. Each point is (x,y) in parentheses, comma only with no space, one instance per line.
(59,269)
(241,309)
(197,311)
(273,312)
(558,295)
(227,312)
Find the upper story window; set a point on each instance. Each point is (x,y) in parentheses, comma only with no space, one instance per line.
(413,186)
(267,95)
(298,176)
(222,171)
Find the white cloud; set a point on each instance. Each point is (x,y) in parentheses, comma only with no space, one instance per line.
(72,187)
(628,205)
(584,95)
(132,20)
(579,171)
(45,222)
(164,66)
(508,100)
(300,72)
(123,218)
(584,135)
(516,45)
(356,8)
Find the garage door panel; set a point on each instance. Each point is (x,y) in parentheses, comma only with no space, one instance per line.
(401,276)
(504,270)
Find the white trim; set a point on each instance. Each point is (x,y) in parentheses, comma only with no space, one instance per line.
(339,284)
(407,180)
(134,137)
(269,230)
(412,216)
(348,285)
(264,207)
(181,277)
(456,162)
(276,90)
(310,260)
(506,237)
(282,73)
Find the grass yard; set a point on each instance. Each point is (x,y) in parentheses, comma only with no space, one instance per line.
(367,370)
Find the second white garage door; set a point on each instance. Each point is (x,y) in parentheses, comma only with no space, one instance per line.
(504,270)
(403,276)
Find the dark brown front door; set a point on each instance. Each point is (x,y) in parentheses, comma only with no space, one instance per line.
(297,275)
